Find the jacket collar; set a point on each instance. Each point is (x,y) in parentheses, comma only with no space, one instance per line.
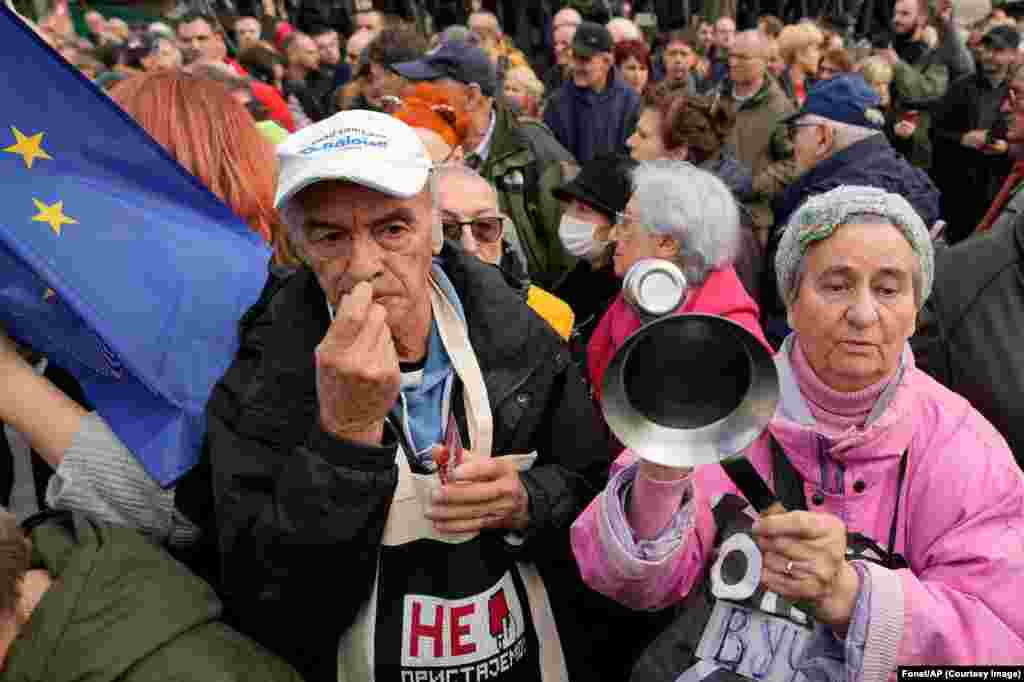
(887,433)
(504,142)
(854,153)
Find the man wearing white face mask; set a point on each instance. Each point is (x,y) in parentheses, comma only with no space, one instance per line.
(591,201)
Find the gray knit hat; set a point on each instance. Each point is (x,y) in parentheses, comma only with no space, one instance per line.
(819,217)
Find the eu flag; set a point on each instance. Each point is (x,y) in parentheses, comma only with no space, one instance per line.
(115,262)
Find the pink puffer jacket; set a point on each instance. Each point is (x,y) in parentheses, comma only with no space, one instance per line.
(961,526)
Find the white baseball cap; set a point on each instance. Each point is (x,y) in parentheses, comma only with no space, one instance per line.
(367,148)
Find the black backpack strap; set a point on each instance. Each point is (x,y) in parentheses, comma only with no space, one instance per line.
(789,485)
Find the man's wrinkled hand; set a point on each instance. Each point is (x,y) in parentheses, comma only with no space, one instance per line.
(357,373)
(483,492)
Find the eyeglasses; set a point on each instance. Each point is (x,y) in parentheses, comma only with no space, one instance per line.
(485,229)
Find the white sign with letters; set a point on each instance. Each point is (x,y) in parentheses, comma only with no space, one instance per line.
(754,644)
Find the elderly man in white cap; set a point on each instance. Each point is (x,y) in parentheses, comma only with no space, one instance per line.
(356,537)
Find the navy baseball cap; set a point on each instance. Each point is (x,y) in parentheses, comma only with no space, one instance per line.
(847,98)
(456,60)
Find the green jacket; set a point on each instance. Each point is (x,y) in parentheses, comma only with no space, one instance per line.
(121,609)
(524,176)
(915,87)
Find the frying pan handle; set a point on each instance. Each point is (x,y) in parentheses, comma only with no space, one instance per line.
(753,487)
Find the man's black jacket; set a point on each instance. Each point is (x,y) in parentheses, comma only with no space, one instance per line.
(970,333)
(300,514)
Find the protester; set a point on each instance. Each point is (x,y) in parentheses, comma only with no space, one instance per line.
(916,500)
(593,198)
(470,217)
(800,47)
(203,35)
(677,126)
(522,89)
(354,46)
(426,107)
(833,63)
(679,60)
(718,58)
(758,138)
(633,60)
(517,155)
(969,134)
(562,35)
(247,31)
(498,46)
(688,216)
(838,140)
(920,78)
(391,46)
(968,337)
(109,604)
(346,407)
(305,91)
(597,111)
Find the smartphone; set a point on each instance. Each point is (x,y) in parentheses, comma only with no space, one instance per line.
(453,444)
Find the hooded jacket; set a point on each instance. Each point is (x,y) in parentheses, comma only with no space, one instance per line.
(121,609)
(960,526)
(592,123)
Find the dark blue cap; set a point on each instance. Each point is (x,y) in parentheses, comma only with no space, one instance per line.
(847,98)
(456,60)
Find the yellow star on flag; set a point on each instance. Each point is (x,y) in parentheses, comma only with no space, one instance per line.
(30,148)
(52,215)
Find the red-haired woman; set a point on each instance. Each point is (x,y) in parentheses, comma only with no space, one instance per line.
(214,137)
(426,106)
(633,58)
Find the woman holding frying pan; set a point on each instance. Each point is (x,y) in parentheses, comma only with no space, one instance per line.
(905,540)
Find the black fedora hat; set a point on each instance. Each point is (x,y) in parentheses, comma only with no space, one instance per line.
(604,183)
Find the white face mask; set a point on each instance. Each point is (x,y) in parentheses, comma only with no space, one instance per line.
(578,237)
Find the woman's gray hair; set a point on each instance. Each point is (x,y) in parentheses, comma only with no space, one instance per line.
(694,207)
(820,216)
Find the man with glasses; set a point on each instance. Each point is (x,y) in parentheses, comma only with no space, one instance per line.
(837,140)
(470,217)
(339,520)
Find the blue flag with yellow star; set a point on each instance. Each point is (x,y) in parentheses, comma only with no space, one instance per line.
(115,262)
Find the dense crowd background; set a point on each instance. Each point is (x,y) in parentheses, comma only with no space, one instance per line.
(745,142)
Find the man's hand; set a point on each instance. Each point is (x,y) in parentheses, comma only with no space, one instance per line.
(975,139)
(484,492)
(812,547)
(357,374)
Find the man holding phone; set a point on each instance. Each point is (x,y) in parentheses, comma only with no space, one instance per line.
(969,135)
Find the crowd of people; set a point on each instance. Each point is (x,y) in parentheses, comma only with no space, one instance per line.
(407,473)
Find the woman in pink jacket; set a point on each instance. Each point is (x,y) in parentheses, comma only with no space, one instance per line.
(686,215)
(910,549)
